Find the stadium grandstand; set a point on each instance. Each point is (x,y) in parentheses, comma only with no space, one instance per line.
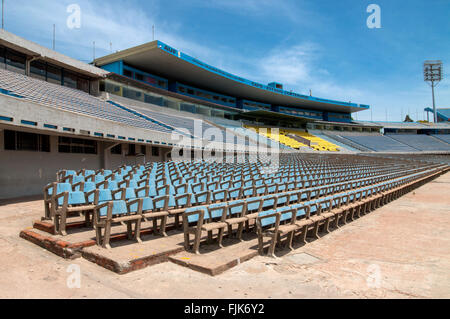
(113,146)
(443,115)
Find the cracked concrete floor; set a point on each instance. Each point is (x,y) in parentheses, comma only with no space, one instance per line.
(398,251)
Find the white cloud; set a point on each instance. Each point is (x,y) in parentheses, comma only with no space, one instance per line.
(299,68)
(101,22)
(295,11)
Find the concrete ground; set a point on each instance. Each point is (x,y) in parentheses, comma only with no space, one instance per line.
(398,251)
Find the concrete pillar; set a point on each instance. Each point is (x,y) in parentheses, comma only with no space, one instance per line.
(106,158)
(2,139)
(94,87)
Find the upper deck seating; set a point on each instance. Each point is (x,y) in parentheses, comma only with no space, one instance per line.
(69,99)
(421,142)
(443,137)
(196,127)
(316,142)
(277,136)
(380,143)
(348,143)
(334,140)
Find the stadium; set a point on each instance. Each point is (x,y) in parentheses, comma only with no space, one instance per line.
(148,157)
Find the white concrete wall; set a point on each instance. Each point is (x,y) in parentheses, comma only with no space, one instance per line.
(24,173)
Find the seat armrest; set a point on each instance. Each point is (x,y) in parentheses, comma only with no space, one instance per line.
(89,178)
(79,184)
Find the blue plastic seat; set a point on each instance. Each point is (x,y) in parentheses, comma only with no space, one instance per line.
(216,210)
(75,198)
(60,188)
(268,201)
(268,221)
(286,213)
(119,208)
(195,217)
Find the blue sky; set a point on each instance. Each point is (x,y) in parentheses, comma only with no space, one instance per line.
(320,45)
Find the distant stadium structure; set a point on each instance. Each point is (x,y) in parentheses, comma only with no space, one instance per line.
(137,106)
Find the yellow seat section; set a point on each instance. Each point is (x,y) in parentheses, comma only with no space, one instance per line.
(279,137)
(317,143)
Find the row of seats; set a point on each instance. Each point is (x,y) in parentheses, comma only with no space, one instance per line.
(179,122)
(421,142)
(257,138)
(443,137)
(77,101)
(278,136)
(232,211)
(317,143)
(160,190)
(69,99)
(296,139)
(380,143)
(301,219)
(395,143)
(180,195)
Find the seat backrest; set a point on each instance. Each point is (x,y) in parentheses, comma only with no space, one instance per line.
(77,179)
(102,195)
(163,202)
(195,217)
(301,209)
(217,210)
(112,185)
(183,200)
(119,207)
(269,221)
(147,204)
(88,187)
(74,198)
(234,192)
(107,172)
(268,201)
(63,187)
(236,207)
(283,199)
(70,172)
(198,187)
(285,213)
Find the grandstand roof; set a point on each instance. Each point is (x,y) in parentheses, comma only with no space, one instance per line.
(274,115)
(163,60)
(444,114)
(37,51)
(403,125)
(352,123)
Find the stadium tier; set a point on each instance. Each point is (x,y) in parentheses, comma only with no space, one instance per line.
(443,115)
(153,103)
(277,136)
(69,99)
(380,143)
(149,141)
(421,142)
(313,141)
(334,140)
(443,137)
(303,193)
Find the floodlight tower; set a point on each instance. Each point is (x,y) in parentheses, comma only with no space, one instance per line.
(432,73)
